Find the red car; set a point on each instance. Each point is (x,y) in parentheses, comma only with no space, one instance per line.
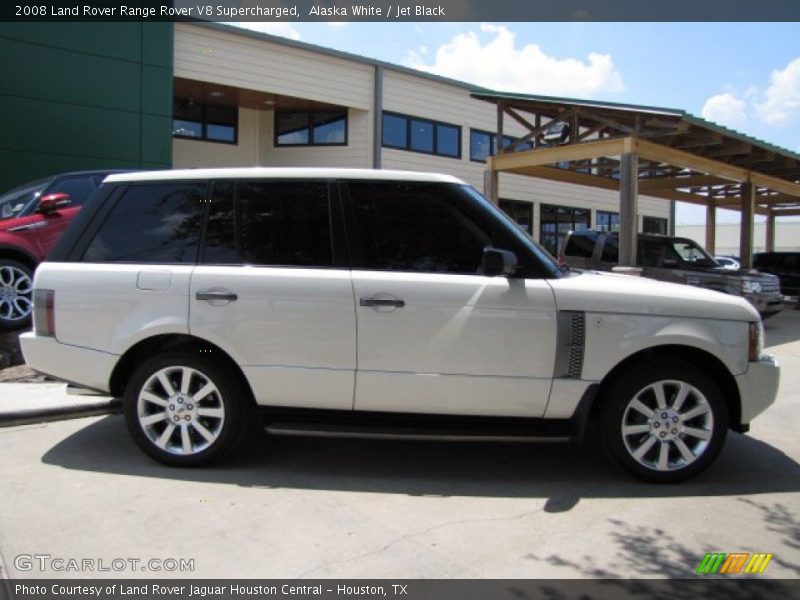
(32,217)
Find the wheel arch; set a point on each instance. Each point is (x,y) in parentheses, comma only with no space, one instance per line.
(19,255)
(153,345)
(689,354)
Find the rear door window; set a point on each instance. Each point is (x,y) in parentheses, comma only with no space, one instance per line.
(581,246)
(152,223)
(269,223)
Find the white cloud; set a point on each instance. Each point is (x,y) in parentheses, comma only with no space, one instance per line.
(499,64)
(726,109)
(782,97)
(281,29)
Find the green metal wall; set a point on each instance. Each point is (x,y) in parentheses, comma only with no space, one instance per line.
(84,96)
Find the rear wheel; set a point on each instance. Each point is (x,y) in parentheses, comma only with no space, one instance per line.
(184,410)
(16,291)
(664,422)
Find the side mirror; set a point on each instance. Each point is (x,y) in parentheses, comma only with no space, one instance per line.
(499,262)
(50,203)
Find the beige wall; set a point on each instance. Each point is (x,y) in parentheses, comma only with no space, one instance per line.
(227,58)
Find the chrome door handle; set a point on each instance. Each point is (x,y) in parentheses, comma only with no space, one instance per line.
(216,295)
(394,302)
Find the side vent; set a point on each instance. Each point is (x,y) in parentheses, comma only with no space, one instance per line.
(571,342)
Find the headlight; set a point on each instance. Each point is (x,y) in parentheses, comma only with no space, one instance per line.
(751,287)
(756,341)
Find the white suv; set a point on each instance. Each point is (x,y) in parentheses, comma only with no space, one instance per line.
(356,302)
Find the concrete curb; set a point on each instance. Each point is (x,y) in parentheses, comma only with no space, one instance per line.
(44,415)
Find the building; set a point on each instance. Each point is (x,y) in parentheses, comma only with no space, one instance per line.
(243,98)
(787,237)
(159,95)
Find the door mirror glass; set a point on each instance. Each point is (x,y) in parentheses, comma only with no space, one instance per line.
(499,262)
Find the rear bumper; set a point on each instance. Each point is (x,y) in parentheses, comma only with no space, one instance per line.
(73,364)
(758,387)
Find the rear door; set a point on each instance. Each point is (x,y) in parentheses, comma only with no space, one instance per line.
(271,290)
(434,334)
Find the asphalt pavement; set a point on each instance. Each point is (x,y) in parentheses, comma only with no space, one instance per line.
(312,508)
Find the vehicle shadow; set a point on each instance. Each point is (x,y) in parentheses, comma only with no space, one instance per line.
(783,328)
(561,473)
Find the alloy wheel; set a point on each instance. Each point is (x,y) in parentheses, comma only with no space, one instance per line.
(16,288)
(180,409)
(667,425)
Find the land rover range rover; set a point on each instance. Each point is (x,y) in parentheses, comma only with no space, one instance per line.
(382,303)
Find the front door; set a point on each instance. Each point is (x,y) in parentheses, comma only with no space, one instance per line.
(434,334)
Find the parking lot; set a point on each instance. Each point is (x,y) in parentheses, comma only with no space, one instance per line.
(314,508)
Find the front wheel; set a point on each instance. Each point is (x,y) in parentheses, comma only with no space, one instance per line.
(184,410)
(664,422)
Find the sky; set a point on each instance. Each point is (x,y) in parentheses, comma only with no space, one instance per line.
(745,76)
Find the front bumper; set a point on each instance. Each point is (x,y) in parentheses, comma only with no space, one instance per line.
(766,304)
(73,364)
(758,387)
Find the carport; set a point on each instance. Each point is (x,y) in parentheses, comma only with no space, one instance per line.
(658,152)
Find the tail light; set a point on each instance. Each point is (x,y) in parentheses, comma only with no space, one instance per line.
(44,312)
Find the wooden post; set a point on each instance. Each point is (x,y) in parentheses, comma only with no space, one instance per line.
(499,139)
(711,227)
(491,182)
(770,242)
(746,228)
(628,213)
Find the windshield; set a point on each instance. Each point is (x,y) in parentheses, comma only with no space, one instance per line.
(20,201)
(693,254)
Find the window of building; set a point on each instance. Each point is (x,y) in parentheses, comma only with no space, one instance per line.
(421,135)
(272,223)
(521,212)
(483,144)
(654,225)
(557,221)
(152,223)
(198,121)
(311,127)
(606,221)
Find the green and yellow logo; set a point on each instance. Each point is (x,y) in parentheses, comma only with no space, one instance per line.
(736,562)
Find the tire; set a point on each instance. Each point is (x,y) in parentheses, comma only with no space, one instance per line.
(198,421)
(675,442)
(16,294)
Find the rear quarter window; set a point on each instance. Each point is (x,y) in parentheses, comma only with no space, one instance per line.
(152,223)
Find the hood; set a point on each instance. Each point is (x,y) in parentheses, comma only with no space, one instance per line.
(596,291)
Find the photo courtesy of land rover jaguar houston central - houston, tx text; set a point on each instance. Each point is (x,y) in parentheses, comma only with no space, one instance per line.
(379,303)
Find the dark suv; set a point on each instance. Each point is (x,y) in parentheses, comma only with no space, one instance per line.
(32,217)
(677,260)
(785,265)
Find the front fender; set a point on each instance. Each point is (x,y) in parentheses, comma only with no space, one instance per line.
(611,338)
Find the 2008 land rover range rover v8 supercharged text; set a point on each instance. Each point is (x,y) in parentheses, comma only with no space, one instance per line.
(383,303)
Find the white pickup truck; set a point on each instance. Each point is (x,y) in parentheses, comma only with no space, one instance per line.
(378,303)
